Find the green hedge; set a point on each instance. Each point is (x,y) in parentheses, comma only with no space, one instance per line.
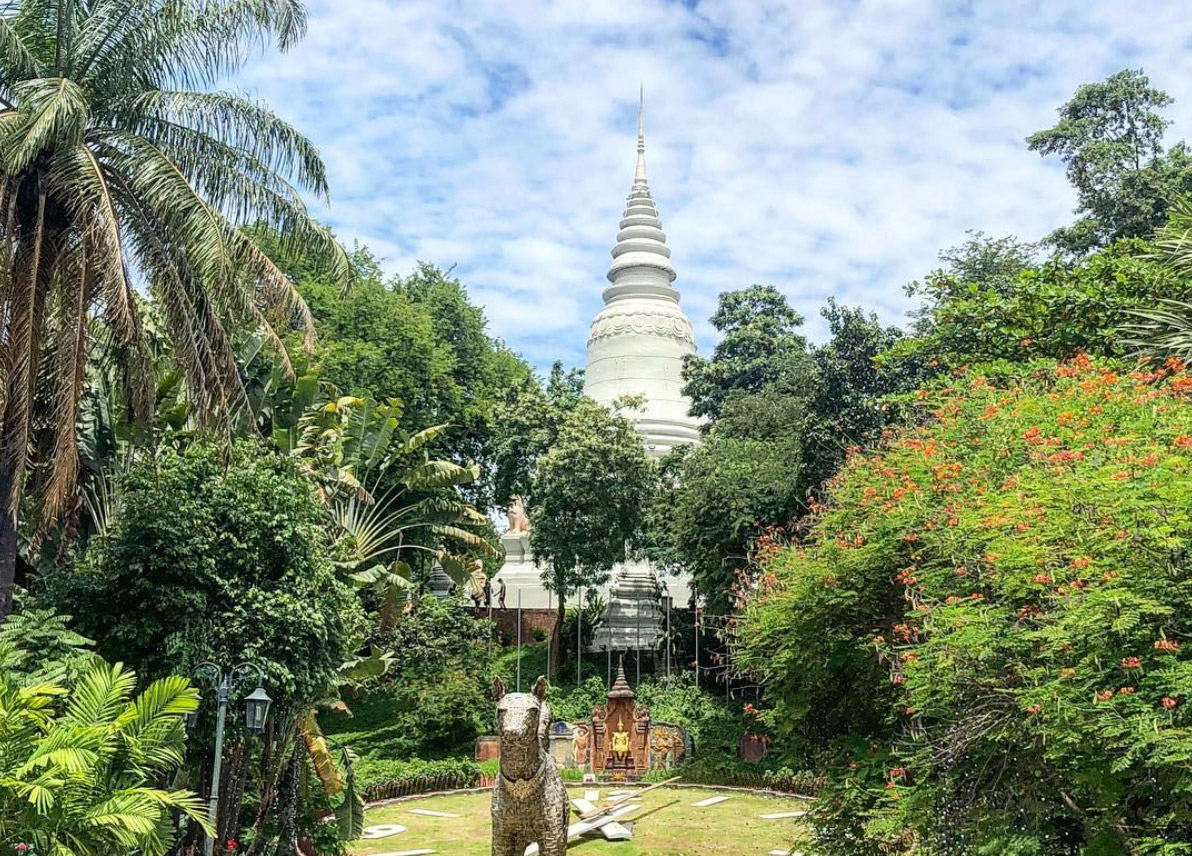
(742,774)
(382,780)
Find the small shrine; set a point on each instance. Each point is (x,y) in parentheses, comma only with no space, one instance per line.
(621,733)
(620,742)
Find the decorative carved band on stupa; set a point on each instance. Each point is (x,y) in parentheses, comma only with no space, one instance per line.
(644,323)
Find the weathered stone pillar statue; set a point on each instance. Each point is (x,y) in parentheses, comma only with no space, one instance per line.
(529,800)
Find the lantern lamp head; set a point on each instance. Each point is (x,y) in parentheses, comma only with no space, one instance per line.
(256,708)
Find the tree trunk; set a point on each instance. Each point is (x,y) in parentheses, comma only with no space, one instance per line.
(35,257)
(556,638)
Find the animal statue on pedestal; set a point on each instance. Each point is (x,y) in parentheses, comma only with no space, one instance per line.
(529,801)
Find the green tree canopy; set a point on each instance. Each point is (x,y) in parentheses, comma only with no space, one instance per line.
(760,346)
(778,433)
(1055,310)
(587,499)
(1110,138)
(418,339)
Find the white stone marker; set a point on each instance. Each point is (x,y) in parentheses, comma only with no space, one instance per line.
(585,826)
(709,801)
(592,796)
(782,814)
(406,853)
(585,807)
(383,830)
(426,812)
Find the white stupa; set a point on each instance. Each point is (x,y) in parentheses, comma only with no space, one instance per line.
(636,347)
(637,342)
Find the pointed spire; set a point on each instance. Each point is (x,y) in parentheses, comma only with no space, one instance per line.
(639,177)
(620,687)
(641,243)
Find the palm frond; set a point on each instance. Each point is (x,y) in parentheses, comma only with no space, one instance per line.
(1165,331)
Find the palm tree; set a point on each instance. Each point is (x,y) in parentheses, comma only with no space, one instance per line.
(83,781)
(119,172)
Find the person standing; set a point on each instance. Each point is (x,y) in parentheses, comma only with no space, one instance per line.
(488,594)
(501,588)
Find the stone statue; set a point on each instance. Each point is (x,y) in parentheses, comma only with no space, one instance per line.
(582,745)
(519,521)
(529,801)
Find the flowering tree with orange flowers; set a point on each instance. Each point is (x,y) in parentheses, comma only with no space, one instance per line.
(988,624)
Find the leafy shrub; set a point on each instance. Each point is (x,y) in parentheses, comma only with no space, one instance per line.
(743,774)
(81,767)
(986,624)
(212,561)
(434,702)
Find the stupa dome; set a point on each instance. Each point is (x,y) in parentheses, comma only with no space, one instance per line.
(637,342)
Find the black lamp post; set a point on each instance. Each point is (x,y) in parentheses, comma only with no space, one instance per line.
(256,708)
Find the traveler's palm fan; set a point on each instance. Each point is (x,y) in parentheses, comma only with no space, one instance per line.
(121,171)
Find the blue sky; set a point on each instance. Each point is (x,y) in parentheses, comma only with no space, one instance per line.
(827,147)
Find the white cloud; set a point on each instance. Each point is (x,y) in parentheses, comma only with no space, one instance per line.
(830,147)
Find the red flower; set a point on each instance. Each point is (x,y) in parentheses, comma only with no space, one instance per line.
(1034,708)
(1105,695)
(1081,562)
(22,847)
(1126,691)
(1168,645)
(1042,579)
(232,845)
(1169,703)
(1067,673)
(1131,663)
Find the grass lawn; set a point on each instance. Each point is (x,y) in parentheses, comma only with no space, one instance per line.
(667,825)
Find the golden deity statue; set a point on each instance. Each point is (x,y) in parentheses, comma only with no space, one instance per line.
(620,743)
